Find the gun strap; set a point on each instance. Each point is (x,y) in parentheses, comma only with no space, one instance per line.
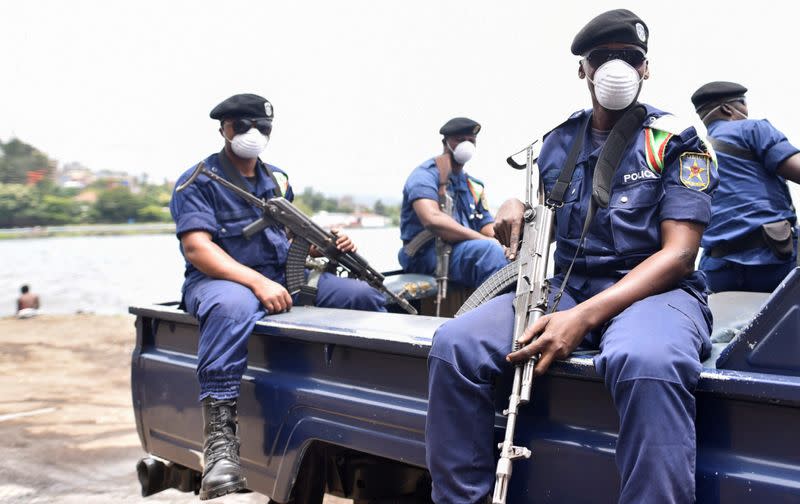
(613,150)
(443,165)
(610,156)
(236,177)
(556,196)
(731,150)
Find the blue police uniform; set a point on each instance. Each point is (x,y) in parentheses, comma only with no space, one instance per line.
(228,311)
(750,195)
(650,354)
(471,261)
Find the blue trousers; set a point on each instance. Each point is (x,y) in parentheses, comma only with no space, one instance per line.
(228,311)
(471,261)
(725,275)
(649,356)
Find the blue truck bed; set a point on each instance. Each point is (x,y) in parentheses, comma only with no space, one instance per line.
(335,401)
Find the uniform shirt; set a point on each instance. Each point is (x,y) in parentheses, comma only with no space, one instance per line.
(207,205)
(750,193)
(469,201)
(644,193)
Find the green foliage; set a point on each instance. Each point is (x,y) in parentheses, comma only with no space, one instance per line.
(117,204)
(316,201)
(57,210)
(15,202)
(18,158)
(22,206)
(154,213)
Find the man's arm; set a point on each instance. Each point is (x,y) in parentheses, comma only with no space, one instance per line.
(36,302)
(212,260)
(790,168)
(561,332)
(441,224)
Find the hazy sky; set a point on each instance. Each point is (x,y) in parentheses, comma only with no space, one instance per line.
(360,88)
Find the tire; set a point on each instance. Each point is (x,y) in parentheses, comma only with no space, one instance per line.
(500,282)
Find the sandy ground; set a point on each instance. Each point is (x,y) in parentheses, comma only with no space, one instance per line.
(67,431)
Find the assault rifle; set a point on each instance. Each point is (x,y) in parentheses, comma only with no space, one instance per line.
(443,251)
(305,233)
(530,303)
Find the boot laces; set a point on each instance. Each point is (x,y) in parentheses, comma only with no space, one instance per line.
(222,442)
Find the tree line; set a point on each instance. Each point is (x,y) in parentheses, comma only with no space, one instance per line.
(30,196)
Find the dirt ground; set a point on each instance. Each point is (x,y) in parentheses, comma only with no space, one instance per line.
(67,431)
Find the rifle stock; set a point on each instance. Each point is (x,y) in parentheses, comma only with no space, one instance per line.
(280,211)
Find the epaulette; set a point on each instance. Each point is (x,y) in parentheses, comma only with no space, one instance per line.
(578,114)
(658,134)
(675,125)
(670,124)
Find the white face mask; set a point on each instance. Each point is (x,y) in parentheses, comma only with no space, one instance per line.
(616,84)
(463,151)
(249,145)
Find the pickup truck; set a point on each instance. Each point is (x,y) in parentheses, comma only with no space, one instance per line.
(334,401)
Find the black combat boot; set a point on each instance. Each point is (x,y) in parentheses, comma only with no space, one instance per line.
(222,473)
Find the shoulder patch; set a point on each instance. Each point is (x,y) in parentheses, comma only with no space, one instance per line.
(655,145)
(283,181)
(695,170)
(670,124)
(477,190)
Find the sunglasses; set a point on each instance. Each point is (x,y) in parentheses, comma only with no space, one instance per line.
(242,125)
(633,57)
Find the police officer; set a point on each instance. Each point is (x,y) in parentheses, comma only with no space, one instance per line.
(633,293)
(475,253)
(749,243)
(232,282)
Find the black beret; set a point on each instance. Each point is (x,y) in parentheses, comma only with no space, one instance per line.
(619,25)
(715,92)
(243,105)
(460,126)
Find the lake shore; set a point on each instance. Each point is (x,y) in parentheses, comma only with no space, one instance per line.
(87,230)
(66,416)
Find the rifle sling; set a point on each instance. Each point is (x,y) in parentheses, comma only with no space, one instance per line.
(556,196)
(731,150)
(610,157)
(236,177)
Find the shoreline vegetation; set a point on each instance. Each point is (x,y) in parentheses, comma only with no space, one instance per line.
(106,230)
(40,197)
(87,230)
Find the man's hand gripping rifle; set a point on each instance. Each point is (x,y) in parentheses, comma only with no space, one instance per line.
(530,303)
(305,232)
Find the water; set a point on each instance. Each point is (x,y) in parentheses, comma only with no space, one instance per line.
(106,274)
